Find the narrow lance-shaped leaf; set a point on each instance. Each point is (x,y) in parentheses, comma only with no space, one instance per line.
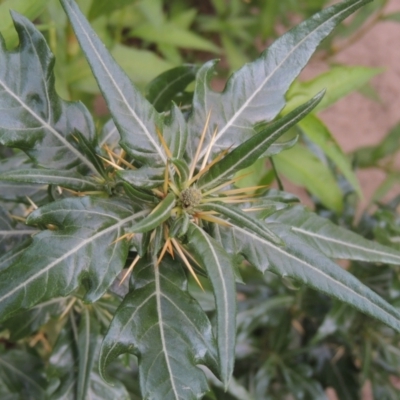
(33,118)
(218,264)
(67,366)
(167,329)
(332,240)
(87,347)
(256,92)
(162,90)
(82,250)
(240,218)
(68,179)
(248,152)
(135,118)
(307,265)
(160,214)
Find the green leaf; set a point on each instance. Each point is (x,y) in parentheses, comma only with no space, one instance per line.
(299,165)
(87,344)
(247,153)
(392,17)
(68,179)
(31,9)
(9,233)
(139,195)
(240,218)
(212,257)
(318,133)
(82,250)
(303,263)
(338,82)
(68,358)
(10,256)
(106,7)
(168,331)
(33,117)
(172,34)
(21,374)
(26,323)
(332,240)
(161,90)
(144,178)
(135,118)
(256,92)
(369,156)
(17,192)
(159,214)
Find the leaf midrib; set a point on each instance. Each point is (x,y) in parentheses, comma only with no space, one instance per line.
(69,253)
(158,295)
(250,99)
(144,128)
(347,244)
(47,126)
(318,271)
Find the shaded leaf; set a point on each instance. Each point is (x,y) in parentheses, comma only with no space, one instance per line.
(10,234)
(303,263)
(21,375)
(168,331)
(69,354)
(161,90)
(80,251)
(33,118)
(28,322)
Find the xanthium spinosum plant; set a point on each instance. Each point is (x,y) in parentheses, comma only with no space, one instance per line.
(129,215)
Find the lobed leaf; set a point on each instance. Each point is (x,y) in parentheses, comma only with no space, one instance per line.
(256,92)
(82,250)
(33,118)
(305,264)
(212,257)
(135,118)
(332,240)
(168,331)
